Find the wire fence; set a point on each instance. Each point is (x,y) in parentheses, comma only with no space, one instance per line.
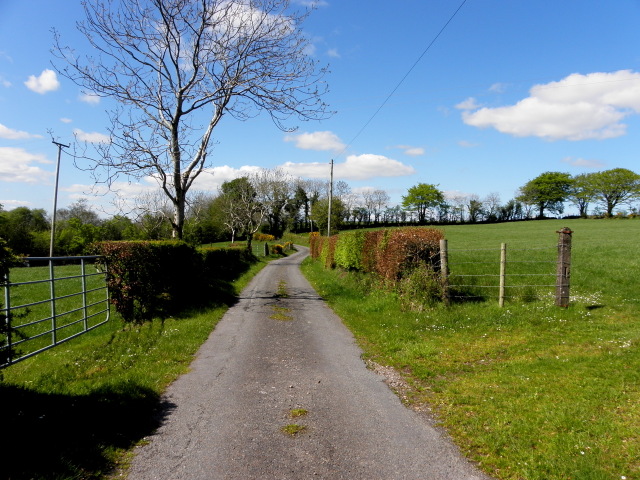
(502,273)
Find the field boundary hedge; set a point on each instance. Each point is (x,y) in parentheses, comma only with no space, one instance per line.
(148,279)
(389,252)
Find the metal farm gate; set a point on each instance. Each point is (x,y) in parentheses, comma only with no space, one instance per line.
(48,301)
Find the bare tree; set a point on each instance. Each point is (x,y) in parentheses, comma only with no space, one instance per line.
(175,68)
(380,201)
(491,205)
(275,190)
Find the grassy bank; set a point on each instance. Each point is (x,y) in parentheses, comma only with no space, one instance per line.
(529,391)
(74,411)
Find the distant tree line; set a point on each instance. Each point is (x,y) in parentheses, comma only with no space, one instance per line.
(273,202)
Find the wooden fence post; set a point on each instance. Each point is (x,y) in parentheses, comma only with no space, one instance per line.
(564,267)
(503,270)
(444,270)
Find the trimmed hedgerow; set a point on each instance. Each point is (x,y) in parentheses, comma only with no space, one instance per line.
(403,249)
(225,263)
(405,259)
(350,249)
(158,279)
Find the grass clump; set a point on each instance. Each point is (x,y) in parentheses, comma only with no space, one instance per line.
(298,412)
(293,429)
(530,390)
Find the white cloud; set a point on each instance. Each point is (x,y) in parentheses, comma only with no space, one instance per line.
(90,98)
(578,107)
(467,144)
(9,204)
(16,166)
(498,87)
(333,53)
(93,137)
(211,179)
(469,104)
(312,3)
(66,120)
(320,141)
(10,134)
(46,82)
(411,151)
(583,162)
(355,167)
(4,82)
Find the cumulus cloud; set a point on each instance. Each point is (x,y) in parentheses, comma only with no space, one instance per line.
(578,107)
(583,162)
(16,165)
(91,137)
(46,82)
(90,98)
(66,120)
(355,167)
(320,141)
(10,134)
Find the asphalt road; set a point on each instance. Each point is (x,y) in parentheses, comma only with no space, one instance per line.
(278,349)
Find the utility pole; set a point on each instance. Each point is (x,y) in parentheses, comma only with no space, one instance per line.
(330,200)
(55,197)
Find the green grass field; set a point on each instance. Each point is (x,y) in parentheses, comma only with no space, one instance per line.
(529,391)
(34,323)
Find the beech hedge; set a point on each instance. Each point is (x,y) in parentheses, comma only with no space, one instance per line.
(392,254)
(149,279)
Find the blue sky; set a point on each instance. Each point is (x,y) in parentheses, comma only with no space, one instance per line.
(510,89)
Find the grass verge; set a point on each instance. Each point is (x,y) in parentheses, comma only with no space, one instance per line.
(529,391)
(73,412)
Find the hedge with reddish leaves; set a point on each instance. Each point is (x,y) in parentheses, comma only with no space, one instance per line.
(389,253)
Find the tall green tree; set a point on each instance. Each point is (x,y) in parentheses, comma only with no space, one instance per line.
(547,191)
(615,186)
(320,214)
(421,198)
(23,228)
(582,192)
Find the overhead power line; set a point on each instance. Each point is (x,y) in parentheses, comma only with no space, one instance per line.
(424,52)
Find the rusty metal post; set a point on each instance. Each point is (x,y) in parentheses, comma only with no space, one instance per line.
(563,274)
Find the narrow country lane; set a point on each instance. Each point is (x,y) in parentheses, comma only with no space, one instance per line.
(278,349)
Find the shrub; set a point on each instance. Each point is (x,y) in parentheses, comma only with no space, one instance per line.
(403,249)
(350,250)
(277,250)
(225,263)
(7,260)
(263,237)
(315,245)
(148,279)
(420,288)
(157,279)
(327,255)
